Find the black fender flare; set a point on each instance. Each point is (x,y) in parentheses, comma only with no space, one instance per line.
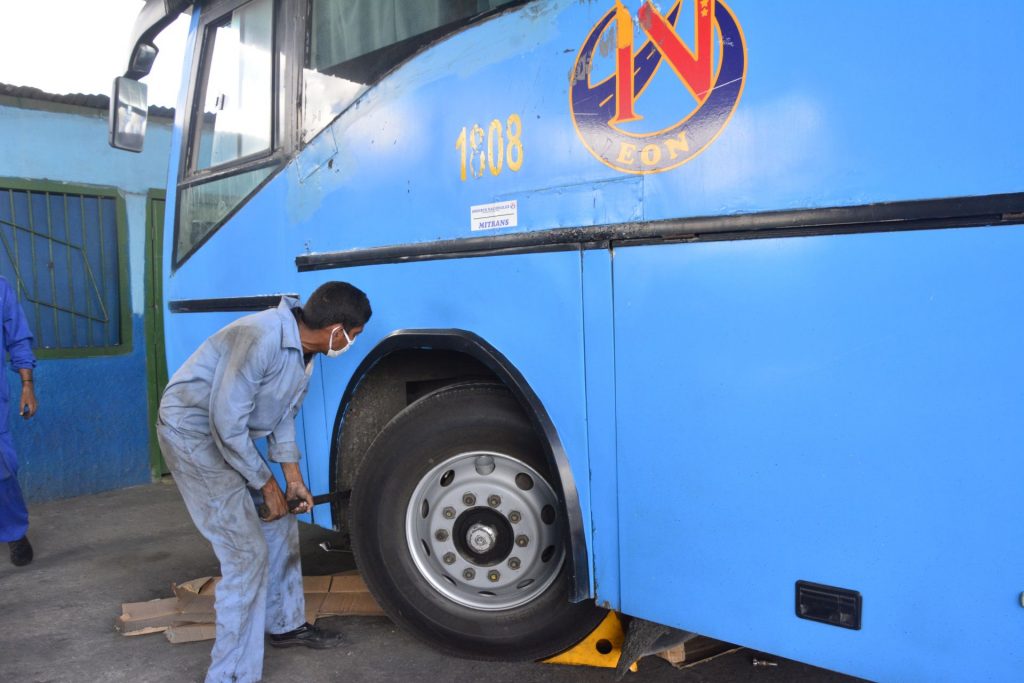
(473,345)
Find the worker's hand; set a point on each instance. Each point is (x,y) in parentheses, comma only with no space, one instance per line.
(297,491)
(28,405)
(274,500)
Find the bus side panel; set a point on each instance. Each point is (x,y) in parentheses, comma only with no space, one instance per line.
(841,105)
(844,410)
(856,103)
(528,307)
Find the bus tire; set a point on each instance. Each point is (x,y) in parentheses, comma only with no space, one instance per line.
(460,536)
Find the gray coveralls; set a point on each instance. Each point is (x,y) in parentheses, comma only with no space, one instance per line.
(245,382)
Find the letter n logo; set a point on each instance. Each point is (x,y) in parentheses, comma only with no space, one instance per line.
(600,110)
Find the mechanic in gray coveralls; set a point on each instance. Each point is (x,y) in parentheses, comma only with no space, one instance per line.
(246,382)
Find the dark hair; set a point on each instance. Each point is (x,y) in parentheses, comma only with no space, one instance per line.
(336,302)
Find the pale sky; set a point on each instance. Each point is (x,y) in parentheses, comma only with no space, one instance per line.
(79,46)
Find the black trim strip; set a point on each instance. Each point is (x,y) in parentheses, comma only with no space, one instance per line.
(955,212)
(231,304)
(472,345)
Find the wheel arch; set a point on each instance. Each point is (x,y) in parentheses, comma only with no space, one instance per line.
(472,346)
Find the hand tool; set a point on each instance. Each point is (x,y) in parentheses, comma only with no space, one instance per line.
(263,510)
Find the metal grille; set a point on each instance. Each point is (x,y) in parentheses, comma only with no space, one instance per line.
(59,250)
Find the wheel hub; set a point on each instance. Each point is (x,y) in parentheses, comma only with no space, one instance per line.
(476,511)
(481,538)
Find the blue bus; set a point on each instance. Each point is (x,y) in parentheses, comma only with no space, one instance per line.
(706,312)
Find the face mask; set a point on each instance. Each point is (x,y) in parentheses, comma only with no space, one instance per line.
(333,352)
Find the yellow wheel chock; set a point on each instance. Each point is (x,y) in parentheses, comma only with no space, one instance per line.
(601,648)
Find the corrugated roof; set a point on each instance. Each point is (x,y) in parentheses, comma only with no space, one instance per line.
(101,102)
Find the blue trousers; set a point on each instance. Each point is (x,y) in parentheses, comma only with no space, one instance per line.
(261,586)
(13,513)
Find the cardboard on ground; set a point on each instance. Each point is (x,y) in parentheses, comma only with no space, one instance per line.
(190,616)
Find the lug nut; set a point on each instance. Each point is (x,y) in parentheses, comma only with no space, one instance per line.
(469,574)
(514,563)
(493,575)
(522,541)
(494,501)
(449,558)
(468,499)
(449,513)
(515,517)
(441,535)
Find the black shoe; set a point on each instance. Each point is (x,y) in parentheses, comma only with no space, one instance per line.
(308,636)
(21,552)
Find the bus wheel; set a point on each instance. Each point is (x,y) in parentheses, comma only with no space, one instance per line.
(459,534)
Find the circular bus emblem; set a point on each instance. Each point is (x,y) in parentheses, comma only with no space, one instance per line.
(600,110)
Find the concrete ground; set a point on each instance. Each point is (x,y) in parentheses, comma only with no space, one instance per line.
(95,552)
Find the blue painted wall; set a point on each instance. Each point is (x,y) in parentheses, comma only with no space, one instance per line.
(91,432)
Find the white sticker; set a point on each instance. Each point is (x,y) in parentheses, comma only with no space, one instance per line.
(494,216)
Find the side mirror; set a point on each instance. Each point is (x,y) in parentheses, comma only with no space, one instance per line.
(128,114)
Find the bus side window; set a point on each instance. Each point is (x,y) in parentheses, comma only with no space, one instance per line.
(353,44)
(231,129)
(236,116)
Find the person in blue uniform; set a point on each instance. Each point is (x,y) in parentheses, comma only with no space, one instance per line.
(17,342)
(244,383)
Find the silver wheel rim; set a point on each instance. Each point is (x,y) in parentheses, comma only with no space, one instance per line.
(485,530)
